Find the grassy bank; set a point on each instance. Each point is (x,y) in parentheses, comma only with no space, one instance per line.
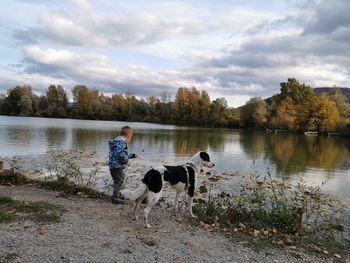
(12,210)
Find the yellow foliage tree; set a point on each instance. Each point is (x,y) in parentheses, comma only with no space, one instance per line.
(287,113)
(319,113)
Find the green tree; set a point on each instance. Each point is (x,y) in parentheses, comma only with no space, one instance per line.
(299,93)
(254,113)
(80,101)
(2,103)
(57,102)
(19,101)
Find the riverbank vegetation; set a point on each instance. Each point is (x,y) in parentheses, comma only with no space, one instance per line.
(296,108)
(264,211)
(269,211)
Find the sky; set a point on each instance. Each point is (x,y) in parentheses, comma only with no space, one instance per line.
(235,49)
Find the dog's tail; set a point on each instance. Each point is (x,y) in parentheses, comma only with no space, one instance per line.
(133,195)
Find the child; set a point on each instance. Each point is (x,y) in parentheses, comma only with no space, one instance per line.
(119,159)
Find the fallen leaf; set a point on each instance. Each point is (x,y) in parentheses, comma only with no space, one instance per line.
(188,244)
(280,242)
(41,231)
(206,226)
(205,181)
(274,230)
(266,232)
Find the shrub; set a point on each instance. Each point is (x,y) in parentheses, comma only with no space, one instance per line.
(269,203)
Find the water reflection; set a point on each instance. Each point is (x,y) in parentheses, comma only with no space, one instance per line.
(20,136)
(56,137)
(293,154)
(315,158)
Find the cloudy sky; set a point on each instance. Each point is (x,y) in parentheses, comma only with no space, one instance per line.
(235,49)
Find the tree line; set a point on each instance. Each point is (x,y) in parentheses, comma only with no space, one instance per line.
(298,108)
(190,107)
(295,108)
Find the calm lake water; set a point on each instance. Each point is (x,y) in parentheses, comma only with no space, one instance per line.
(315,159)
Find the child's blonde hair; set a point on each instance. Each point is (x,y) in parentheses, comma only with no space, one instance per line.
(126,131)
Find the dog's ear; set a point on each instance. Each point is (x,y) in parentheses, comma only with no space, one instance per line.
(204,156)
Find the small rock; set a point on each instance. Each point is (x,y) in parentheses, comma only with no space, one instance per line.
(256,232)
(242,226)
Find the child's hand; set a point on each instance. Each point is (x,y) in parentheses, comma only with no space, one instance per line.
(129,162)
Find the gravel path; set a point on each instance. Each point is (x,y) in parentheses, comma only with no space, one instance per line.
(98,231)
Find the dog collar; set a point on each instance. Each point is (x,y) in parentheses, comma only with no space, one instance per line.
(193,166)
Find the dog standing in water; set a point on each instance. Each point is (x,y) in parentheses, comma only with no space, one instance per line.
(181,178)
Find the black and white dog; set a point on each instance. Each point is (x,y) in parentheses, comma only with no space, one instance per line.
(181,178)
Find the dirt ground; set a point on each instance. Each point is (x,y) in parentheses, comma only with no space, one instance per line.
(98,231)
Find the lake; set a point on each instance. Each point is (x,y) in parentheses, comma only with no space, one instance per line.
(315,159)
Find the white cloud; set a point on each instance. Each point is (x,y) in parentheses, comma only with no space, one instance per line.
(84,5)
(234,49)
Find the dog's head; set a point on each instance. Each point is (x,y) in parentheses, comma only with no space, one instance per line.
(205,158)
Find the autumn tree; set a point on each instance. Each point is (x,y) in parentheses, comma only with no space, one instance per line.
(320,113)
(86,102)
(287,114)
(182,105)
(341,102)
(192,106)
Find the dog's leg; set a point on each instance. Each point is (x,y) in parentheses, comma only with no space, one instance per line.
(190,204)
(152,200)
(137,205)
(178,194)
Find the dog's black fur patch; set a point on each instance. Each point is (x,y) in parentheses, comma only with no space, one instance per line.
(175,174)
(204,156)
(153,179)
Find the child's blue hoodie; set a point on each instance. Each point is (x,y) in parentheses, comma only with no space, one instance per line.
(118,153)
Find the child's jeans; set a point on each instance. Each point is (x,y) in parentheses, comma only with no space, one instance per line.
(118,176)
